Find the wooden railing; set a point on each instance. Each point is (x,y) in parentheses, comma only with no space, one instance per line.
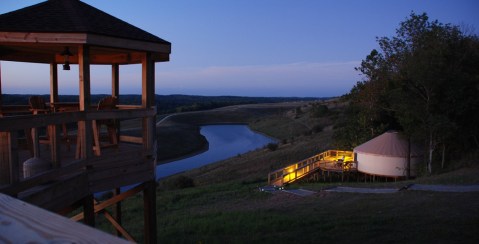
(84,175)
(296,171)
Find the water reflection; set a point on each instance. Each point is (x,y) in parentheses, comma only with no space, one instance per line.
(225,141)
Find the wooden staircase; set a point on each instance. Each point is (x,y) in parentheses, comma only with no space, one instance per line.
(331,160)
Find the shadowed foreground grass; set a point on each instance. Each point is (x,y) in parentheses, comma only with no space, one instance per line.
(237,212)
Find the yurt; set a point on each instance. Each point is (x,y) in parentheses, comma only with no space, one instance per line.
(387,155)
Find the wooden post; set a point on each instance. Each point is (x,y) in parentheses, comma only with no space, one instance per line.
(53,83)
(408,172)
(1,101)
(14,163)
(89,210)
(84,127)
(148,81)
(115,80)
(149,200)
(149,136)
(4,158)
(9,165)
(117,210)
(148,100)
(115,92)
(54,138)
(53,129)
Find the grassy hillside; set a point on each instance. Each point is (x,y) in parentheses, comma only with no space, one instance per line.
(225,205)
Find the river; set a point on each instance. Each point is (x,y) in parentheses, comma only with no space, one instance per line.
(225,141)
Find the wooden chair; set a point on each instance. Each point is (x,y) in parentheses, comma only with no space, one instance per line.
(107,103)
(39,106)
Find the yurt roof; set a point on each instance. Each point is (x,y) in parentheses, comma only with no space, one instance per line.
(390,143)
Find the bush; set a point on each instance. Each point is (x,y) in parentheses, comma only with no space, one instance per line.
(317,128)
(319,110)
(272,146)
(180,182)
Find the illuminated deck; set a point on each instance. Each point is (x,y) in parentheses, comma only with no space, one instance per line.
(328,161)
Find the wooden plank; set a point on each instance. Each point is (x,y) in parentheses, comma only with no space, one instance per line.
(115,199)
(4,158)
(55,141)
(108,41)
(9,168)
(20,122)
(126,165)
(125,106)
(118,226)
(132,139)
(37,38)
(96,138)
(14,162)
(59,194)
(114,182)
(111,163)
(120,114)
(116,159)
(14,109)
(25,223)
(75,167)
(98,175)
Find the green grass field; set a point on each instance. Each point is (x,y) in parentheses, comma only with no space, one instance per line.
(225,205)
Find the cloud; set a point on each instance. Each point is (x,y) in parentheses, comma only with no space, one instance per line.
(295,79)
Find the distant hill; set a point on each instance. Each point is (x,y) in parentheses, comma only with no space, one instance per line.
(169,103)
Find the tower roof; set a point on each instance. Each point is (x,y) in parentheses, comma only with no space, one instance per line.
(40,33)
(71,16)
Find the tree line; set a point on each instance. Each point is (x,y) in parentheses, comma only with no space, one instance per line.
(424,81)
(166,103)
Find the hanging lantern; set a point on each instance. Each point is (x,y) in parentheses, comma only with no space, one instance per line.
(66,56)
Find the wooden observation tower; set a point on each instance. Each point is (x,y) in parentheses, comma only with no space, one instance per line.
(68,137)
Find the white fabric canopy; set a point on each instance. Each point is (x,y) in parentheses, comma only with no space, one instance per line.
(390,143)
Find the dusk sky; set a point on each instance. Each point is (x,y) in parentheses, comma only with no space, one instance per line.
(247,47)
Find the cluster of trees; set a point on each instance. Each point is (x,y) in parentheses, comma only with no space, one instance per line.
(186,103)
(424,81)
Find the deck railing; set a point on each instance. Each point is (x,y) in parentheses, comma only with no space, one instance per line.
(76,177)
(340,159)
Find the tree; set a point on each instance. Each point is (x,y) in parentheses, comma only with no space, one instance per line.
(427,60)
(423,81)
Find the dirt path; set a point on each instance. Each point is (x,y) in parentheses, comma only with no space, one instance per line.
(412,187)
(444,188)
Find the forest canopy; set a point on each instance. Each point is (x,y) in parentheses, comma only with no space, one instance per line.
(424,81)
